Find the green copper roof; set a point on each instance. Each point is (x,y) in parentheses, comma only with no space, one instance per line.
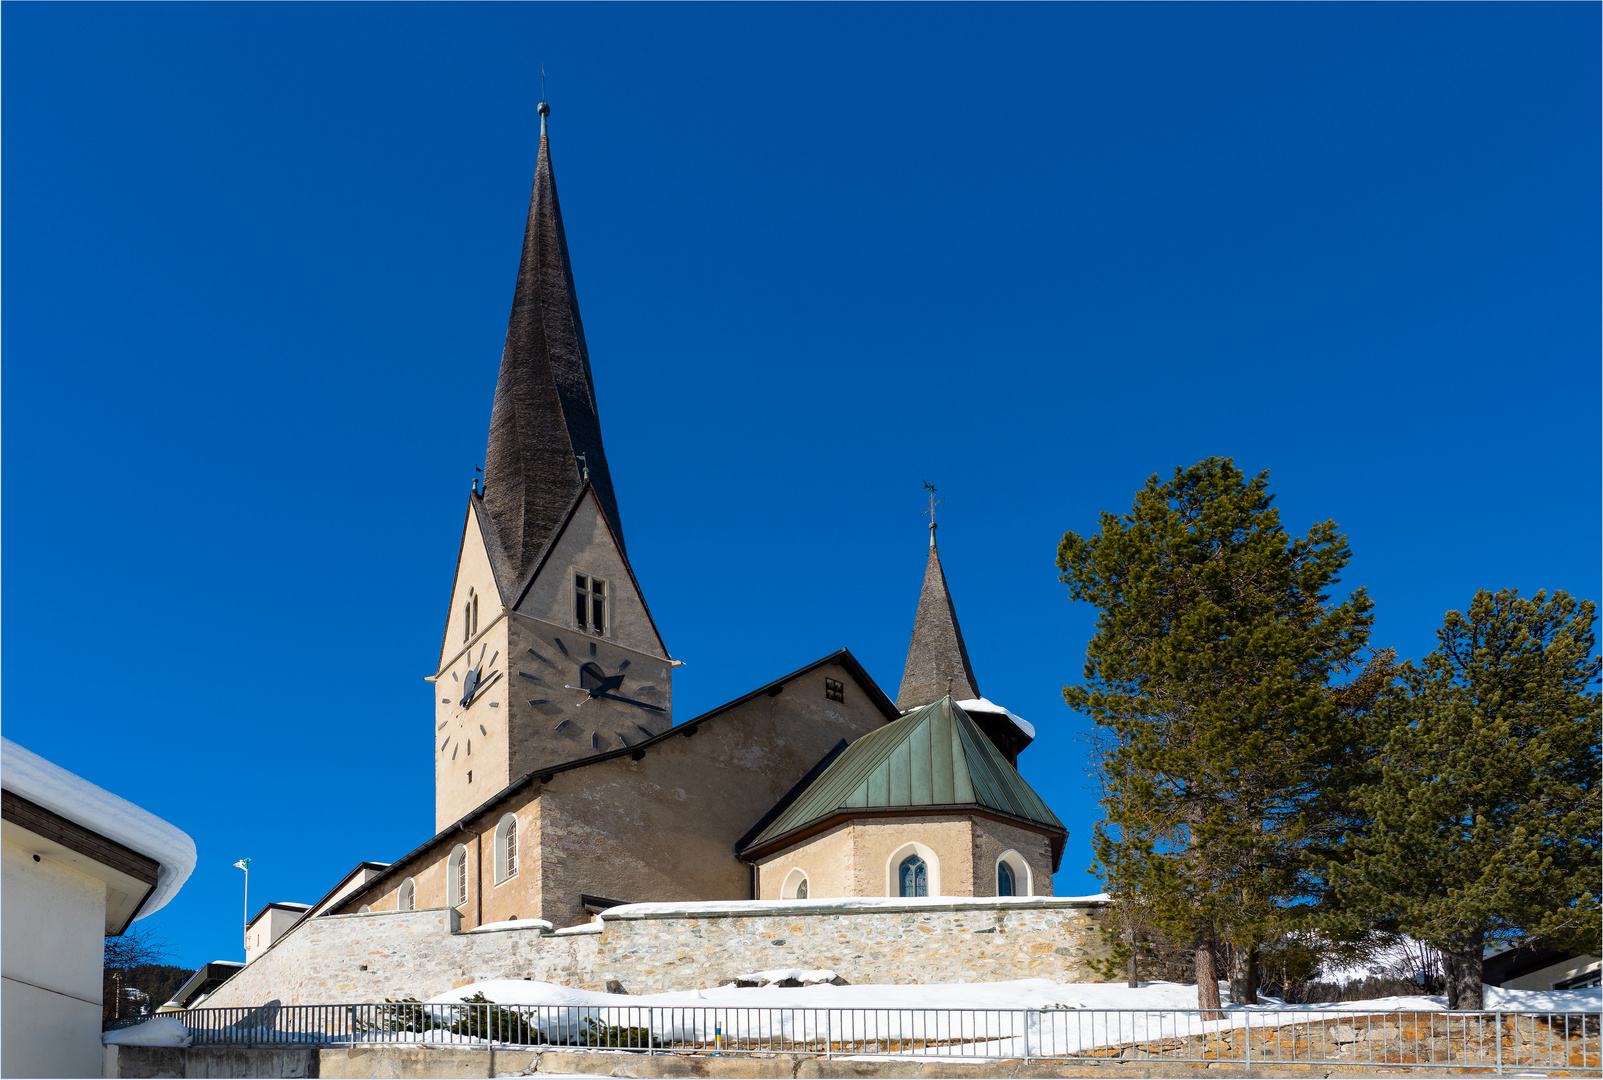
(933,756)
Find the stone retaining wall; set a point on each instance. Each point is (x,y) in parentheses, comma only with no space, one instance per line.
(341,959)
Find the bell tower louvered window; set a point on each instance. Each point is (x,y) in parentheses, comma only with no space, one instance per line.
(589,603)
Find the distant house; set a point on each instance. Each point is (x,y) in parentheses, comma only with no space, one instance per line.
(1536,967)
(80,864)
(270,924)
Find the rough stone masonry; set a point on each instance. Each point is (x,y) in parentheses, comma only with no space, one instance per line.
(345,959)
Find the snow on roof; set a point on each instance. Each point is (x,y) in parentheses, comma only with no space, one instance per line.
(46,784)
(512,924)
(980,704)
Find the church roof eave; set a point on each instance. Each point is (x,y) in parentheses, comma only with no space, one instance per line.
(448,834)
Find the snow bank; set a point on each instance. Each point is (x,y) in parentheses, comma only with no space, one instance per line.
(162,1031)
(839,903)
(25,773)
(513,924)
(1055,1018)
(1015,994)
(980,704)
(801,975)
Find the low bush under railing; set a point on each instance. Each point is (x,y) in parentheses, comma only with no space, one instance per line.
(1492,1039)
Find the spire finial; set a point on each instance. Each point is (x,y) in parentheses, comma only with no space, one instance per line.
(934,502)
(544,109)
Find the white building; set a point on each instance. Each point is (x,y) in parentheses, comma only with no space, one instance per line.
(79,864)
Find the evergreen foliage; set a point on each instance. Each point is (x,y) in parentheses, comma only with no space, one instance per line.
(1483,818)
(1209,678)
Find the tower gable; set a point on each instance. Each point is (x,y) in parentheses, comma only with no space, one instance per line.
(585,545)
(475,580)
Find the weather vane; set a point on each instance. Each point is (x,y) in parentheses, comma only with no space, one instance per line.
(934,502)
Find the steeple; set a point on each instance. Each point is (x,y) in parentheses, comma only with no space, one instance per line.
(937,661)
(545,429)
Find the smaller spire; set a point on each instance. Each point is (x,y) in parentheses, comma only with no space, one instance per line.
(544,110)
(937,660)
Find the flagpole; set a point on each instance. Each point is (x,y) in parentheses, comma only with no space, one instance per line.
(244,864)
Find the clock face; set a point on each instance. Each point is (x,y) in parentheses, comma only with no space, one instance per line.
(478,680)
(592,694)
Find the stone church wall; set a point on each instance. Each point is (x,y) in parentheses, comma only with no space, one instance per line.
(346,959)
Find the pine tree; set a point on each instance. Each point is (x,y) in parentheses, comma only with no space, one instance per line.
(1483,819)
(1209,680)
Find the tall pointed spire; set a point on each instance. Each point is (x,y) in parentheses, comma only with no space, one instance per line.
(545,429)
(937,660)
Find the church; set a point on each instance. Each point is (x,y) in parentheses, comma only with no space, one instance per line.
(565,784)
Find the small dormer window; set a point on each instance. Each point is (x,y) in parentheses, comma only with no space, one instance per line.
(590,603)
(470,615)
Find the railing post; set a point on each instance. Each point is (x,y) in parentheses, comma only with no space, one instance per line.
(1246,1031)
(1498,1034)
(1026,1018)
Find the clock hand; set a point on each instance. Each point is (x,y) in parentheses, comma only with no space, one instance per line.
(480,688)
(631,701)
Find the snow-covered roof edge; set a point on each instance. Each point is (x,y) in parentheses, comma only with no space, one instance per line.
(692,908)
(47,784)
(980,704)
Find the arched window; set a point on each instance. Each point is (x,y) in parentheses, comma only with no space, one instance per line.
(470,614)
(913,869)
(456,876)
(914,877)
(506,848)
(1013,875)
(407,899)
(795,886)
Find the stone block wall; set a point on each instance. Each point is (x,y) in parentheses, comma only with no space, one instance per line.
(342,959)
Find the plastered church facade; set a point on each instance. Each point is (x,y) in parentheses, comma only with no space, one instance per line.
(564,781)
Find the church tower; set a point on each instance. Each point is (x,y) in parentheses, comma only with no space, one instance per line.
(550,653)
(938,665)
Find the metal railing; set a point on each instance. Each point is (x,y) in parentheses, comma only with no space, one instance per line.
(1497,1040)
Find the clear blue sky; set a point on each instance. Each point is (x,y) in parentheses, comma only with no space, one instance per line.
(258,261)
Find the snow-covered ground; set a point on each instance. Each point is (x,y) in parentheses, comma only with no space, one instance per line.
(992,1019)
(47,784)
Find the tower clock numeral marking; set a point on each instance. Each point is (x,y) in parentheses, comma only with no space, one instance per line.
(538,657)
(592,648)
(444,744)
(453,753)
(561,646)
(454,678)
(441,725)
(595,740)
(623,664)
(645,729)
(482,731)
(539,701)
(445,701)
(562,725)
